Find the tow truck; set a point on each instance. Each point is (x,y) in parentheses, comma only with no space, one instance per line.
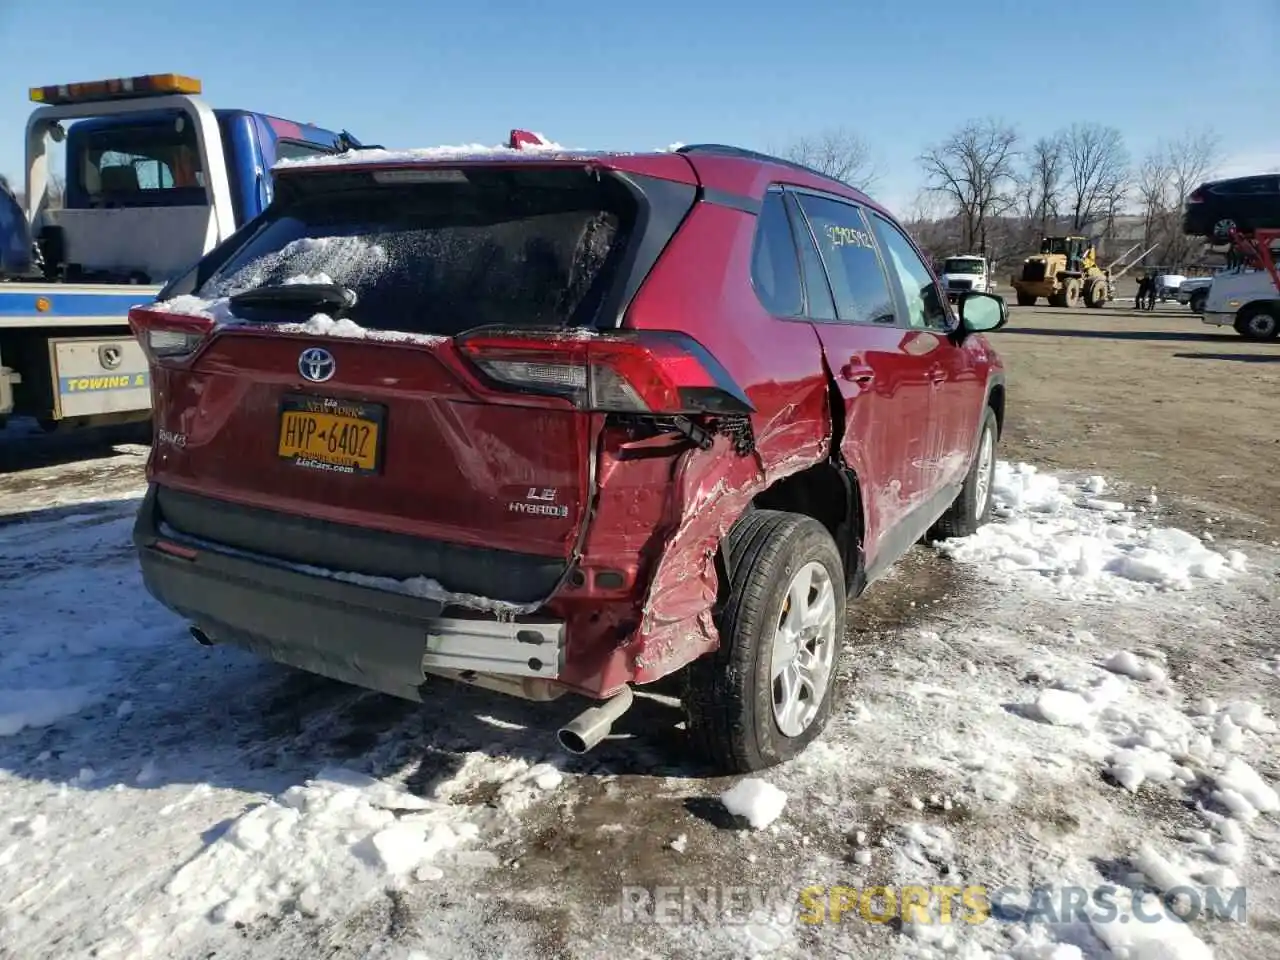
(154,179)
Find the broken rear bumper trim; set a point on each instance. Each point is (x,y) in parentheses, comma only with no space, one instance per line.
(373,638)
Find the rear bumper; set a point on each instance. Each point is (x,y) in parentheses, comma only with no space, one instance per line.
(373,638)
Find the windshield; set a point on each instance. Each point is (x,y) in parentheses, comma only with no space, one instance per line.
(962,266)
(516,249)
(138,165)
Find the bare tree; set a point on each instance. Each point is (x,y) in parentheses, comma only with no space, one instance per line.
(1097,172)
(1153,187)
(974,169)
(1039,191)
(1166,176)
(838,153)
(931,225)
(1191,158)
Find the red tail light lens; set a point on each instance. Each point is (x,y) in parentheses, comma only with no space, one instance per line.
(644,372)
(164,336)
(1197,196)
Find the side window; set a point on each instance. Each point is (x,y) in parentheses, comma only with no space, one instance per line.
(925,306)
(1250,187)
(848,250)
(775,271)
(820,306)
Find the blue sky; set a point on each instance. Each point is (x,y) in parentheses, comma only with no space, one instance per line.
(642,75)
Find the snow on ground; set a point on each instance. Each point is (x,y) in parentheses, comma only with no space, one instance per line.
(1071,698)
(1083,546)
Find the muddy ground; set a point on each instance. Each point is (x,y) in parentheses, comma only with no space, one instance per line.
(1159,399)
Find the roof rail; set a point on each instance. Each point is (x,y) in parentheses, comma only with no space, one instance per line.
(725,150)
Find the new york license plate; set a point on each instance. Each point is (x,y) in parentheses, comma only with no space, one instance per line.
(341,436)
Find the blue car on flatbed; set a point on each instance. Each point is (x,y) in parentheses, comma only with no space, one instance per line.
(154,179)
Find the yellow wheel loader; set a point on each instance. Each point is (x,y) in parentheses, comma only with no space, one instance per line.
(1064,272)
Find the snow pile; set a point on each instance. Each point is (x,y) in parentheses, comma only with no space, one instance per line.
(757,801)
(218,309)
(1081,545)
(1143,741)
(923,846)
(317,846)
(20,709)
(1163,939)
(512,785)
(425,588)
(323,325)
(1130,665)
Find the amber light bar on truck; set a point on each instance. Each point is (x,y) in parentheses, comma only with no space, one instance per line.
(118,88)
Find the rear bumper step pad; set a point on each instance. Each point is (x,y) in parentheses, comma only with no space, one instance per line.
(373,638)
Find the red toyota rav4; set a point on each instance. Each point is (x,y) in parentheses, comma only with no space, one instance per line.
(546,421)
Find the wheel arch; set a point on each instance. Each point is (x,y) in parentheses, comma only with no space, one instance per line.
(995,400)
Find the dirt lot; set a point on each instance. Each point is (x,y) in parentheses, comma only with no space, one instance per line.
(1158,399)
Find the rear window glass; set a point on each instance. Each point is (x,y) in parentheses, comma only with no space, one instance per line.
(141,165)
(297,150)
(523,248)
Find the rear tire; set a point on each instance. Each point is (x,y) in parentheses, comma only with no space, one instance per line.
(781,631)
(1259,322)
(1026,300)
(972,508)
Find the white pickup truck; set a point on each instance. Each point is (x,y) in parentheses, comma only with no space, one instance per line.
(967,272)
(1247,300)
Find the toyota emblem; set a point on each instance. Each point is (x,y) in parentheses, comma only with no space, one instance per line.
(316,364)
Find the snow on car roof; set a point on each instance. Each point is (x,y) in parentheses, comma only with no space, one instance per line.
(474,151)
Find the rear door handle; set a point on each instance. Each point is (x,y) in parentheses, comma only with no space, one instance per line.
(857,373)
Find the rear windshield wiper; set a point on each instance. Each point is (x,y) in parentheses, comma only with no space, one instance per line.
(333,298)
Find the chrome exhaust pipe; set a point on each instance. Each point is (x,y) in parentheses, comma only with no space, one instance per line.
(591,726)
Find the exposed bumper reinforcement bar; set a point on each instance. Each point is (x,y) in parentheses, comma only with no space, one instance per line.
(373,638)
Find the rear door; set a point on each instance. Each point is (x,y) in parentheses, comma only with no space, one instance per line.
(387,418)
(957,387)
(878,368)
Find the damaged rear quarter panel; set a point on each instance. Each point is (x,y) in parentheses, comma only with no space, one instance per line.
(779,364)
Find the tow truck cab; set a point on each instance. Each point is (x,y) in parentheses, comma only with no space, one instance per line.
(154,179)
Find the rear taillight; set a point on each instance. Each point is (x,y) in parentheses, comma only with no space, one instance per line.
(643,372)
(1197,196)
(165,336)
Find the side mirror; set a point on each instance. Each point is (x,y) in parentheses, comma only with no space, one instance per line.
(982,313)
